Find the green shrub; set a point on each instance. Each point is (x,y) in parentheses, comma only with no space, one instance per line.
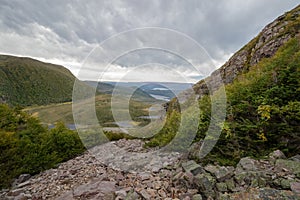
(28,147)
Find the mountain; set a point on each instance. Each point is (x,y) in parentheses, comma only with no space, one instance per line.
(159,90)
(25,81)
(262,84)
(123,89)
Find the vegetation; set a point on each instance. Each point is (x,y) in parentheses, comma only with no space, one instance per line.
(50,114)
(263,111)
(28,147)
(25,81)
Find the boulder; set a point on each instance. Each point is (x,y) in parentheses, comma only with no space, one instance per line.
(224,173)
(191,166)
(295,187)
(290,165)
(277,155)
(197,197)
(221,187)
(246,164)
(205,183)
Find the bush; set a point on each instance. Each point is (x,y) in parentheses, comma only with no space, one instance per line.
(28,147)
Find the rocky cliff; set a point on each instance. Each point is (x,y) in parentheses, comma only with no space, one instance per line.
(265,45)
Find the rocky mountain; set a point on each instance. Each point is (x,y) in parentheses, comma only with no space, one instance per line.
(25,81)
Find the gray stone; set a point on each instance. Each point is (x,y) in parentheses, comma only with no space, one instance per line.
(205,183)
(26,183)
(132,195)
(292,166)
(224,173)
(191,166)
(240,178)
(197,197)
(121,193)
(295,158)
(21,197)
(16,192)
(246,164)
(211,168)
(277,155)
(95,189)
(144,176)
(230,184)
(221,187)
(145,194)
(285,183)
(295,187)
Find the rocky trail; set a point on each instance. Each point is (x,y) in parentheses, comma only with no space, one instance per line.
(124,170)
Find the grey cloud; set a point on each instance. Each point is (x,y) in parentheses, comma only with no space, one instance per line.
(68,30)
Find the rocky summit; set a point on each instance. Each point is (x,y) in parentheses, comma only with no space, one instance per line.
(87,177)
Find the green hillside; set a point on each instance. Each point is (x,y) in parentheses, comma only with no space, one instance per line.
(25,81)
(263,98)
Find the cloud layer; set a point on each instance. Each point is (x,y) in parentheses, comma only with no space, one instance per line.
(65,32)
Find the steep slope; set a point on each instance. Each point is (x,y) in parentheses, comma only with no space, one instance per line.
(265,45)
(25,81)
(263,97)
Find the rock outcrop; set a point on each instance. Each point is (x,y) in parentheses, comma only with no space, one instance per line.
(264,45)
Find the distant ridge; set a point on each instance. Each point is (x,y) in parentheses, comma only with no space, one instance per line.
(26,81)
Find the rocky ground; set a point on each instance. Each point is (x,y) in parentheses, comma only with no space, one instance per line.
(124,170)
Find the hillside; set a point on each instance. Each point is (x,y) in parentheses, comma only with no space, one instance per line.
(263,97)
(264,45)
(25,81)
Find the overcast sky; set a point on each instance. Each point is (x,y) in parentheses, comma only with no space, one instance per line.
(65,32)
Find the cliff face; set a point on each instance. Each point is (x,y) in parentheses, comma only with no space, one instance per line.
(265,45)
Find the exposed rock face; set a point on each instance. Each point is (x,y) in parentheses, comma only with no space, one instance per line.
(264,45)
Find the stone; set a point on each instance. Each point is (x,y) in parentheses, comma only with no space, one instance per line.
(16,192)
(230,184)
(285,183)
(144,176)
(191,166)
(224,173)
(240,178)
(145,194)
(246,164)
(295,187)
(157,185)
(292,166)
(197,197)
(95,188)
(205,183)
(132,195)
(277,155)
(21,197)
(26,183)
(295,158)
(178,176)
(121,193)
(162,193)
(211,168)
(221,187)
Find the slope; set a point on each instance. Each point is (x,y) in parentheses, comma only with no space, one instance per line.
(25,81)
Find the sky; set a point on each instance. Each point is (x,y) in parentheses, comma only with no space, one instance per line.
(134,40)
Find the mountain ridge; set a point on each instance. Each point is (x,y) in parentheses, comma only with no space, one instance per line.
(25,81)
